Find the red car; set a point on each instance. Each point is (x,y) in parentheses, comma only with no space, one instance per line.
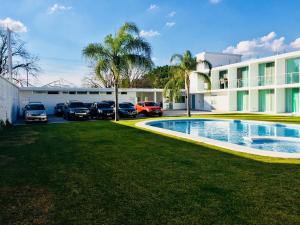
(149,108)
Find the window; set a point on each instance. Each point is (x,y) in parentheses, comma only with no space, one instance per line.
(242,77)
(81,92)
(180,99)
(53,92)
(72,92)
(94,92)
(65,92)
(108,92)
(123,93)
(40,92)
(223,78)
(292,70)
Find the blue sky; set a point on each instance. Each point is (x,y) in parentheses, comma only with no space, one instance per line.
(58,30)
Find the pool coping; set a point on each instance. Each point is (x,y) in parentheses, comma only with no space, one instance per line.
(226,145)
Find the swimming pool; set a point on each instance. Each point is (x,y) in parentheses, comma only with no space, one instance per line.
(255,137)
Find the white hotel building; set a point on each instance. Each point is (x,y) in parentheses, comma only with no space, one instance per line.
(266,85)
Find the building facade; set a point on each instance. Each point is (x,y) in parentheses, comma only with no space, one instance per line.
(265,85)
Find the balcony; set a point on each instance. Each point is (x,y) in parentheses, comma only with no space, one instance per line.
(223,83)
(265,80)
(291,78)
(242,83)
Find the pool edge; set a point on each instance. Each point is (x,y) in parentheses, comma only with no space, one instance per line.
(224,145)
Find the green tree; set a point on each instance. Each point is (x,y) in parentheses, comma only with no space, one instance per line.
(159,76)
(117,53)
(186,65)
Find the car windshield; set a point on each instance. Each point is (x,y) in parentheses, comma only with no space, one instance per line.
(59,106)
(125,105)
(36,107)
(76,105)
(103,105)
(151,104)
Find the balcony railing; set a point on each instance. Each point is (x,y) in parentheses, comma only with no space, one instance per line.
(291,78)
(265,80)
(242,83)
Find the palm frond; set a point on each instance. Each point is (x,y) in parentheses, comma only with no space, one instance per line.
(176,57)
(206,79)
(95,51)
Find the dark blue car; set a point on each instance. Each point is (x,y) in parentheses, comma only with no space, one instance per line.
(126,109)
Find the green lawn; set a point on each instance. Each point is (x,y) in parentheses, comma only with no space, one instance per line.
(113,173)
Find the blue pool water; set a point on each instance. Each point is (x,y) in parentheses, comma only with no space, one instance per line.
(238,132)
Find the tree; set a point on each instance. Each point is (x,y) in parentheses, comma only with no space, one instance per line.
(159,76)
(119,52)
(185,67)
(23,61)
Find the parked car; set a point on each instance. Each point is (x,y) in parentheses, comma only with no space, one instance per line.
(111,103)
(149,108)
(127,109)
(88,105)
(75,110)
(35,111)
(59,109)
(102,110)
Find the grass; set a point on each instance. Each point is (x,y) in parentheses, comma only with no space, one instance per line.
(112,173)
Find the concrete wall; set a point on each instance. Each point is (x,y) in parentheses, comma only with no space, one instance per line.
(9,101)
(216,59)
(280,100)
(50,100)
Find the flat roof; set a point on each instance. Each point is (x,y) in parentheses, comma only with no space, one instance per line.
(258,60)
(89,89)
(219,53)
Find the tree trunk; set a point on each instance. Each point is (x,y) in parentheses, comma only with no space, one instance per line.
(116,102)
(187,91)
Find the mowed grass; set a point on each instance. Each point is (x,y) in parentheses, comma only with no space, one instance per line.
(112,173)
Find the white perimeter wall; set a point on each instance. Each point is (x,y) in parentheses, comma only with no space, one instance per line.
(50,100)
(9,101)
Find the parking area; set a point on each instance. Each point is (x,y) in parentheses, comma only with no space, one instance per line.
(167,113)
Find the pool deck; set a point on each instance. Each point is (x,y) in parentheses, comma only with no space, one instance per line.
(226,145)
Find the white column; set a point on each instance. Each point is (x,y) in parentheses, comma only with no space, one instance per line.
(253,75)
(155,98)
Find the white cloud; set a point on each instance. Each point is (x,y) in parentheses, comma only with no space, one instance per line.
(170,24)
(56,8)
(268,37)
(172,14)
(264,45)
(153,7)
(149,33)
(295,44)
(215,1)
(13,25)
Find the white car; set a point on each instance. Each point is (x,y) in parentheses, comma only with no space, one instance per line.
(35,111)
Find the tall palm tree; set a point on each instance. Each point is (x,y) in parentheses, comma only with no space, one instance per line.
(118,52)
(185,67)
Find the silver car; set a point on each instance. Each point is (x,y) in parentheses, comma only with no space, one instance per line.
(35,111)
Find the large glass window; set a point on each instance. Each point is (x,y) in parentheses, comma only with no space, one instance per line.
(292,70)
(266,100)
(266,73)
(242,100)
(242,77)
(292,100)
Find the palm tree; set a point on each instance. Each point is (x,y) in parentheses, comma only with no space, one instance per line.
(118,52)
(185,67)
